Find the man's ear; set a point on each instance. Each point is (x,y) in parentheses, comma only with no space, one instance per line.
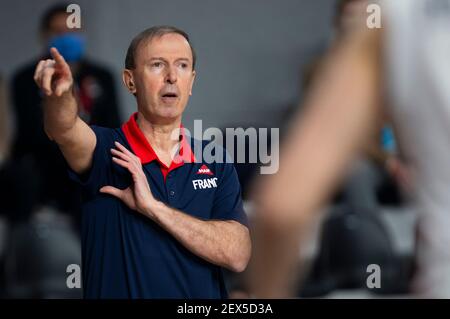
(192,82)
(128,81)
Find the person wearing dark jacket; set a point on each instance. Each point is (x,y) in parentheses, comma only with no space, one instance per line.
(39,160)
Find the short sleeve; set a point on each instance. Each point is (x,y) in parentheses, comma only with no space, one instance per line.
(97,175)
(228,203)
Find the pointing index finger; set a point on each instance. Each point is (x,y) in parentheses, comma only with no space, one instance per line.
(59,59)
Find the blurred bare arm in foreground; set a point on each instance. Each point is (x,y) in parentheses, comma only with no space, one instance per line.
(340,115)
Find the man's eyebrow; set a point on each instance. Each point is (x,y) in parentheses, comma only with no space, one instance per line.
(156,58)
(183,59)
(163,59)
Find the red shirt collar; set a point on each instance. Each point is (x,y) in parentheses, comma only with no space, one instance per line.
(142,148)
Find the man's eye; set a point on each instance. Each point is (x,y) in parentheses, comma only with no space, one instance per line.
(183,65)
(157,64)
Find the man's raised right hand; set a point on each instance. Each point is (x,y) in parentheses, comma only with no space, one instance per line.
(53,76)
(62,124)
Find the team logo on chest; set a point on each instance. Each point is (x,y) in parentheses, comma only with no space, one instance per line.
(204,170)
(207,182)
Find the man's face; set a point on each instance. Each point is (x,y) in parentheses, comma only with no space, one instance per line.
(353,14)
(57,26)
(163,76)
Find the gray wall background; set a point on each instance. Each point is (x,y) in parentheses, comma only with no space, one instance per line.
(250,53)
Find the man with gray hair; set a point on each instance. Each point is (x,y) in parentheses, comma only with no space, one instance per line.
(147,231)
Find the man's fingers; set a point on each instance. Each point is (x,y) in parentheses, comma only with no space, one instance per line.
(59,59)
(121,162)
(120,154)
(133,165)
(125,150)
(59,90)
(47,80)
(112,191)
(38,70)
(125,164)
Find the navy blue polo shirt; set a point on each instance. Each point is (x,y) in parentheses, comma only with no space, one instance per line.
(127,255)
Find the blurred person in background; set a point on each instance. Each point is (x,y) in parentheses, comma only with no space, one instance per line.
(4,149)
(408,60)
(4,123)
(37,161)
(24,273)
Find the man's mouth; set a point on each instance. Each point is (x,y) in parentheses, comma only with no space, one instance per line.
(169,97)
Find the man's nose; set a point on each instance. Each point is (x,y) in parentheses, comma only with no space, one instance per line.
(171,76)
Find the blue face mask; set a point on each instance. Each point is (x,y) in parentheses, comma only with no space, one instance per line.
(70,45)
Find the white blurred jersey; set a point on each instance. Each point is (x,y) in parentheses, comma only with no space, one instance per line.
(417,34)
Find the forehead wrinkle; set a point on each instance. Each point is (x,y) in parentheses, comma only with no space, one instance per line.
(162,49)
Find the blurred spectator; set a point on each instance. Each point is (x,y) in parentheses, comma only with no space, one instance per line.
(41,164)
(4,125)
(4,150)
